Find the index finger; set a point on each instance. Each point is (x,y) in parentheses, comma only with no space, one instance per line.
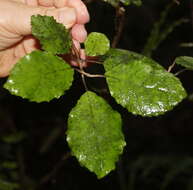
(81,10)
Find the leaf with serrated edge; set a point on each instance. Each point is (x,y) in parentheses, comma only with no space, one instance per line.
(140,84)
(185,61)
(94,134)
(40,76)
(96,44)
(53,36)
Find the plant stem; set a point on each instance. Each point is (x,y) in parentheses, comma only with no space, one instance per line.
(171,67)
(89,75)
(119,25)
(56,168)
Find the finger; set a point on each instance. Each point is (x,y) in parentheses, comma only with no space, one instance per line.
(75,52)
(16,22)
(79,32)
(30,44)
(82,13)
(31,2)
(46,3)
(7,61)
(76,44)
(60,3)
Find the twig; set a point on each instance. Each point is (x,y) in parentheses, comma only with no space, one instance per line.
(50,140)
(56,168)
(171,67)
(20,160)
(121,175)
(93,61)
(179,72)
(89,75)
(119,25)
(80,61)
(88,1)
(191,12)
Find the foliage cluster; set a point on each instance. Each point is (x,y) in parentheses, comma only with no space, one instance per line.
(94,129)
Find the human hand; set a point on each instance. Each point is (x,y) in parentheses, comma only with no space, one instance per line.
(15,28)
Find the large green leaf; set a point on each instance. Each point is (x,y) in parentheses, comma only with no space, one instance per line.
(96,44)
(40,76)
(140,84)
(94,134)
(53,36)
(185,61)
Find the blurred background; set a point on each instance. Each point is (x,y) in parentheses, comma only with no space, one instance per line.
(34,154)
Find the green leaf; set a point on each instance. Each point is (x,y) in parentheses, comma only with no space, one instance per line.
(129,2)
(125,2)
(4,185)
(14,138)
(140,84)
(40,76)
(53,36)
(185,61)
(94,134)
(9,165)
(96,44)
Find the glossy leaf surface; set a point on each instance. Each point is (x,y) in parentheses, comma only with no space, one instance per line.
(53,36)
(40,76)
(94,134)
(96,44)
(140,84)
(185,61)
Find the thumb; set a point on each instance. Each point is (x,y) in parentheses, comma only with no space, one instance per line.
(17,16)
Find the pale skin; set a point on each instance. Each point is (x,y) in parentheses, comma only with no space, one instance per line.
(15,28)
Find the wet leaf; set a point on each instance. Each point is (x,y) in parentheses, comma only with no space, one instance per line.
(53,36)
(96,44)
(140,84)
(40,76)
(94,134)
(185,61)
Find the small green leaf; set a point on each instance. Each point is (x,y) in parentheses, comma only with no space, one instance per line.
(9,165)
(129,2)
(14,138)
(140,84)
(40,76)
(94,134)
(115,3)
(96,44)
(53,36)
(185,61)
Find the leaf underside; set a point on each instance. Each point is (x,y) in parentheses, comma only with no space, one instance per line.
(141,85)
(40,76)
(53,36)
(94,134)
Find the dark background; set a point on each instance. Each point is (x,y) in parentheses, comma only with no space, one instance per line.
(163,144)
